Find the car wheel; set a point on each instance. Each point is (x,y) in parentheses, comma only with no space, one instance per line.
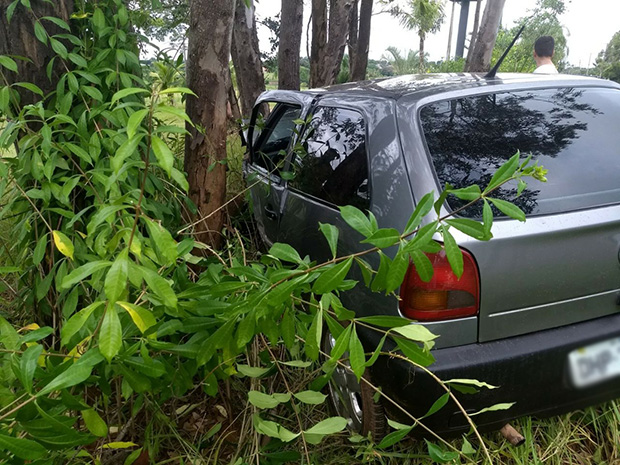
(353,400)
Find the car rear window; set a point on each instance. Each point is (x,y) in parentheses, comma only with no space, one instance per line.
(572,132)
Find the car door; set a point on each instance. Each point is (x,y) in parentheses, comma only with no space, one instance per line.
(270,140)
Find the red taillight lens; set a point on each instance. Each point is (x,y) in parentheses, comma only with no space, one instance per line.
(445,296)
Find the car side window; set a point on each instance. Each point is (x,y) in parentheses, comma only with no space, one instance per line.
(269,150)
(334,167)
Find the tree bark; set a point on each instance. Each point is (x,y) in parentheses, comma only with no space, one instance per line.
(421,53)
(474,34)
(319,41)
(291,26)
(358,61)
(210,38)
(487,35)
(17,38)
(353,35)
(450,32)
(246,57)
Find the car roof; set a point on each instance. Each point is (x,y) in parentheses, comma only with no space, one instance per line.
(418,86)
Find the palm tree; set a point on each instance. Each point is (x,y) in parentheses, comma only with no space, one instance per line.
(400,63)
(423,16)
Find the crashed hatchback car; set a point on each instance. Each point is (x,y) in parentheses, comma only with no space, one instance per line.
(537,310)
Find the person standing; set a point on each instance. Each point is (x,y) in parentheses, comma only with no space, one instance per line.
(543,51)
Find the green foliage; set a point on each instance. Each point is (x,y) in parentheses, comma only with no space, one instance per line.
(608,61)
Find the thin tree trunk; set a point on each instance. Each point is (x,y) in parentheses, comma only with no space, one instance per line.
(319,41)
(474,33)
(17,38)
(358,71)
(487,35)
(291,27)
(450,32)
(210,38)
(421,53)
(353,35)
(246,57)
(337,39)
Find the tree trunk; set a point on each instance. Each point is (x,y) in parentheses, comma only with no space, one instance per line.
(421,53)
(360,63)
(291,26)
(246,57)
(17,38)
(210,37)
(353,35)
(450,32)
(474,34)
(319,41)
(483,47)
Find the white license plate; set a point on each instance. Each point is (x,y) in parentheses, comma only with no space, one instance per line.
(595,363)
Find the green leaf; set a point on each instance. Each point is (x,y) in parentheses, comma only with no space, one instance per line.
(28,364)
(11,9)
(313,338)
(494,408)
(342,343)
(126,150)
(83,272)
(380,278)
(58,22)
(165,245)
(134,122)
(332,277)
(31,87)
(423,207)
(384,321)
(119,445)
(357,357)
(357,220)
(471,382)
(176,112)
(180,179)
(453,252)
(504,172)
(8,63)
(76,373)
(116,279)
(59,48)
(394,437)
(164,155)
(415,353)
(110,334)
(375,355)
(415,332)
(262,400)
(94,423)
(253,372)
(160,287)
(310,397)
(177,90)
(397,271)
(285,252)
(383,238)
(330,425)
(272,429)
(40,32)
(438,405)
(422,237)
(287,328)
(22,448)
(77,322)
(467,193)
(508,209)
(39,250)
(439,455)
(141,317)
(331,234)
(423,265)
(92,92)
(63,244)
(471,228)
(126,92)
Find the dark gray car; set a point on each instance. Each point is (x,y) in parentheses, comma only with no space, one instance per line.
(537,311)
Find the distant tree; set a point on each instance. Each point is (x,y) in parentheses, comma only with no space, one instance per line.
(246,56)
(329,39)
(400,63)
(423,16)
(486,37)
(289,44)
(359,39)
(161,19)
(210,38)
(608,61)
(474,31)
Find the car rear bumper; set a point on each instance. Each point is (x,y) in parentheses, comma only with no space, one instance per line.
(531,370)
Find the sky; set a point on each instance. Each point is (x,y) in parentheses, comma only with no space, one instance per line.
(589,24)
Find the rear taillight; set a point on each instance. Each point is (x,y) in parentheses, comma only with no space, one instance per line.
(445,296)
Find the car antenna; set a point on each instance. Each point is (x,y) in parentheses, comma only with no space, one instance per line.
(493,72)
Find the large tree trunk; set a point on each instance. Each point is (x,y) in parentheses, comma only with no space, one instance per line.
(246,57)
(474,34)
(291,26)
(17,38)
(210,37)
(483,47)
(358,54)
(326,55)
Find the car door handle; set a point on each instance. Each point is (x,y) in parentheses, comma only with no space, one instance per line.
(270,214)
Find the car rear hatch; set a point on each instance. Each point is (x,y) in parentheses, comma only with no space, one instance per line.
(562,265)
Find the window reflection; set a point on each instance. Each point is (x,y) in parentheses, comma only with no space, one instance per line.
(571,132)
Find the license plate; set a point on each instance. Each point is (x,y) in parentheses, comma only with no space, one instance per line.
(595,363)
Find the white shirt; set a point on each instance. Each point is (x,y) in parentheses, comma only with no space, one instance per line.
(546,69)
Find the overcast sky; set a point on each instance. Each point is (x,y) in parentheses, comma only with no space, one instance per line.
(589,24)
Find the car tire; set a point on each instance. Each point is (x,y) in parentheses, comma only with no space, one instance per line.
(353,400)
